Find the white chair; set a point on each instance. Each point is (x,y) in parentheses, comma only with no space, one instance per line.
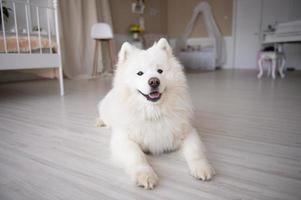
(102,32)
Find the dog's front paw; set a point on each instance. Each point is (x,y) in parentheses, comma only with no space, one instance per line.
(147,179)
(201,169)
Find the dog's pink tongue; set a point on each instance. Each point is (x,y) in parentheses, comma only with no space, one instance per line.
(154,95)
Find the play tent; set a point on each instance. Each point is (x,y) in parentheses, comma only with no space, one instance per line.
(208,55)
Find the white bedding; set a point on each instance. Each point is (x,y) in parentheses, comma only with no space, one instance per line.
(202,59)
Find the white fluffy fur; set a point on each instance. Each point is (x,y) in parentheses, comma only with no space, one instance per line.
(139,125)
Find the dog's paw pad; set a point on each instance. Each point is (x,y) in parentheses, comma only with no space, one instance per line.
(201,169)
(147,179)
(99,123)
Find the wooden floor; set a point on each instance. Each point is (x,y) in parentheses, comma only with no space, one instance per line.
(50,149)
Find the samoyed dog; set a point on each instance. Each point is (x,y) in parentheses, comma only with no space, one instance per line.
(149,111)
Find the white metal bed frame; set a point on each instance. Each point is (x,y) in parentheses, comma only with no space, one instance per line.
(30,60)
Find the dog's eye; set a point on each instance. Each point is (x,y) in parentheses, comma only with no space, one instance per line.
(160,71)
(140,73)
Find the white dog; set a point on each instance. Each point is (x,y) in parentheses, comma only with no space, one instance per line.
(149,110)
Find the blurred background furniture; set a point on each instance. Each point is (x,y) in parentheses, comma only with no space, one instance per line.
(31,48)
(207,56)
(272,60)
(277,35)
(102,32)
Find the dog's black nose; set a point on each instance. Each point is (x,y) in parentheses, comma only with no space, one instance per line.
(154,82)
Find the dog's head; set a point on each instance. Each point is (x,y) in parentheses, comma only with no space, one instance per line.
(147,73)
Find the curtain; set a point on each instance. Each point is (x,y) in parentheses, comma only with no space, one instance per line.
(82,56)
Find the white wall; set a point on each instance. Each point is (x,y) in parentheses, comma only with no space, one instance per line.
(280,11)
(275,11)
(247,33)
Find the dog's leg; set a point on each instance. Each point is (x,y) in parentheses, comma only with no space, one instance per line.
(131,157)
(194,154)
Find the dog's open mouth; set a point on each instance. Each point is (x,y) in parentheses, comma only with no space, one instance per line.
(152,96)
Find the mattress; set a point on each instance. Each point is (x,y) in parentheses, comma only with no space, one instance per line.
(24,44)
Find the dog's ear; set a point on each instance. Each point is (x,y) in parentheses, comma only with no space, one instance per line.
(163,44)
(124,52)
